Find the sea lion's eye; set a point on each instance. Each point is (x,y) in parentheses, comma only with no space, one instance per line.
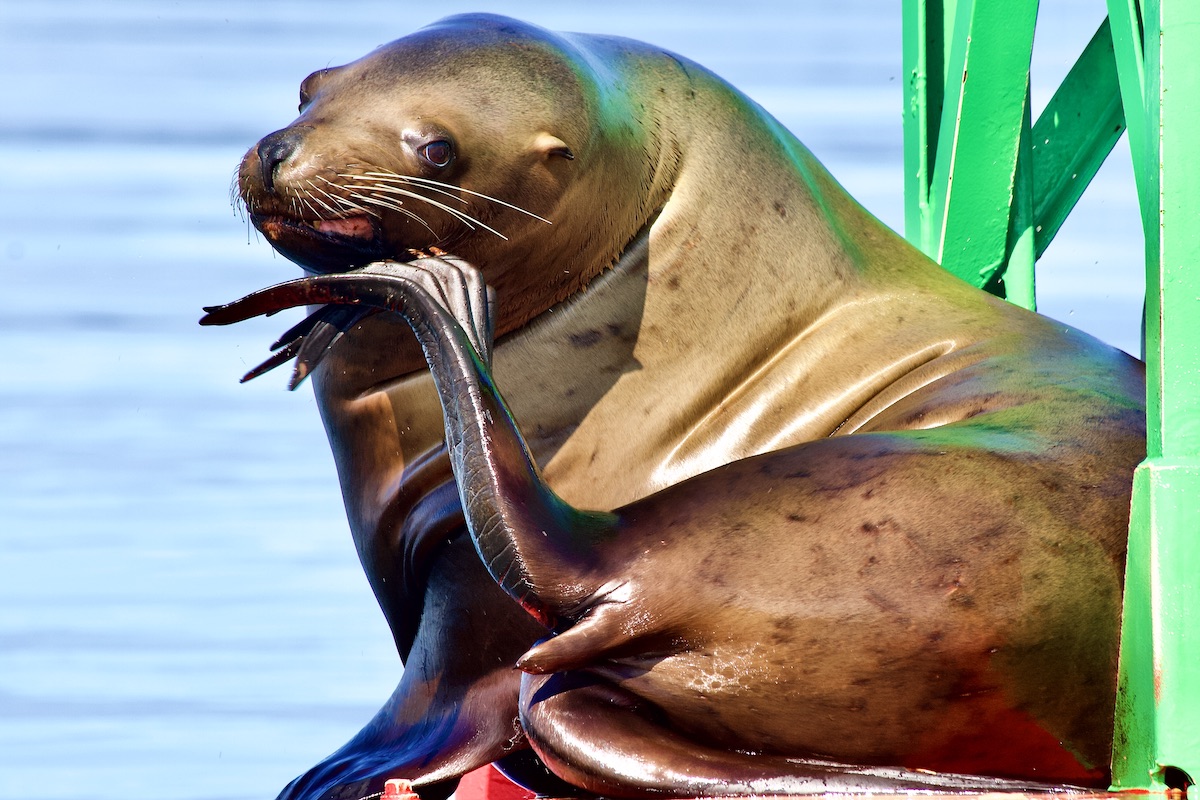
(438,153)
(309,87)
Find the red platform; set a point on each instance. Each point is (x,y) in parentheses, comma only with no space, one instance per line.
(486,783)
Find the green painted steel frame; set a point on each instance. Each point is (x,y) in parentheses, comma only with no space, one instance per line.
(985,193)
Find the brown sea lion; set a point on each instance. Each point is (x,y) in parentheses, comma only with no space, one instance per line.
(688,302)
(644,691)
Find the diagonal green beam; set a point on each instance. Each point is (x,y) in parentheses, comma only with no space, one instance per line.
(1054,163)
(1074,135)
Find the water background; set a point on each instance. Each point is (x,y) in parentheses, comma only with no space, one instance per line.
(181,611)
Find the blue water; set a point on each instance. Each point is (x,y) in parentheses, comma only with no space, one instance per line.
(181,611)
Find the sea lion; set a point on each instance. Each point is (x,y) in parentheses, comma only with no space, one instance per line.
(640,694)
(681,287)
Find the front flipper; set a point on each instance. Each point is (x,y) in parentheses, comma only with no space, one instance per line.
(460,289)
(309,340)
(509,508)
(608,741)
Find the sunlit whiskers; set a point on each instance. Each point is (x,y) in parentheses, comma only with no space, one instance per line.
(437,186)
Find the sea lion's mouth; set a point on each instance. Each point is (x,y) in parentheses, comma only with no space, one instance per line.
(323,245)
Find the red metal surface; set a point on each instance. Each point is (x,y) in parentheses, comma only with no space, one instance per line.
(486,783)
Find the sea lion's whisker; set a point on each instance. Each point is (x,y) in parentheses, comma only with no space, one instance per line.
(332,211)
(394,206)
(336,199)
(303,200)
(437,186)
(401,179)
(470,221)
(343,205)
(488,197)
(391,190)
(235,196)
(345,202)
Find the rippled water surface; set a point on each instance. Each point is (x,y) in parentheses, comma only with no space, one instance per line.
(181,611)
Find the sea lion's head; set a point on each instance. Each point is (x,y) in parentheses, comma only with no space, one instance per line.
(480,135)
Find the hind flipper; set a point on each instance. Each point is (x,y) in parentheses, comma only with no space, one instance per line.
(606,740)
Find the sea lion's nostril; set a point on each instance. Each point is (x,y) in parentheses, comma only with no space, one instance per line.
(273,150)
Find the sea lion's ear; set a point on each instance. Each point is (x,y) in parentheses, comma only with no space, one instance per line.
(551,146)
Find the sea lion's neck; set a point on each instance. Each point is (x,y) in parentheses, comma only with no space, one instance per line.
(707,332)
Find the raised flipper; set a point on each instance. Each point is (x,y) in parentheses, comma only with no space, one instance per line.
(309,340)
(510,510)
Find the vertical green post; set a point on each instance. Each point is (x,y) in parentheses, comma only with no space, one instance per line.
(1157,738)
(924,59)
(1125,20)
(977,173)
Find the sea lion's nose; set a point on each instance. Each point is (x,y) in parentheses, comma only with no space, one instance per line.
(273,150)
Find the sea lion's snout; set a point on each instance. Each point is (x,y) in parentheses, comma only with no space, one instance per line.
(273,150)
(301,208)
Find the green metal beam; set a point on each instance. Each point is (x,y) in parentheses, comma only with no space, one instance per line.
(1014,277)
(923,63)
(1158,688)
(967,107)
(971,188)
(1074,135)
(1158,711)
(985,193)
(1050,168)
(1125,21)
